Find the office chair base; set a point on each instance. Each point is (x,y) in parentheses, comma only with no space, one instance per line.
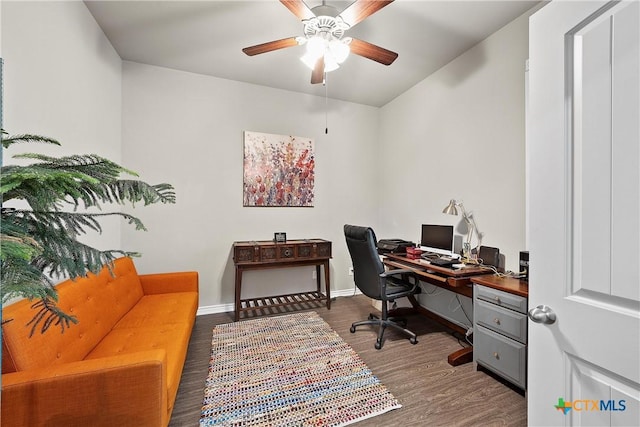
(390,319)
(383,324)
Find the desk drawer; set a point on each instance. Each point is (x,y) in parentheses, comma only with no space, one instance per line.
(503,299)
(501,320)
(502,355)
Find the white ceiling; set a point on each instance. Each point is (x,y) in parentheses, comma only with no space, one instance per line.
(206,37)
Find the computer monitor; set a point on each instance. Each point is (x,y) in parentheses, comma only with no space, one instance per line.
(437,239)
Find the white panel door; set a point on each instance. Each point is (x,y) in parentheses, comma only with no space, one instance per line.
(584,118)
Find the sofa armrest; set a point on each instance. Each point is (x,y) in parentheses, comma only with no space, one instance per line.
(162,283)
(129,389)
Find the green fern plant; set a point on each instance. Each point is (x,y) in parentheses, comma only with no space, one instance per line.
(39,243)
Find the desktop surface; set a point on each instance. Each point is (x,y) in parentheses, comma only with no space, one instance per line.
(424,265)
(438,259)
(511,285)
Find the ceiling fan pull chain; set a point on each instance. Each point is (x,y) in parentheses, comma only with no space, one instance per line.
(326,106)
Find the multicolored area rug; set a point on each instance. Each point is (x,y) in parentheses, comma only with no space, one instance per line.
(291,370)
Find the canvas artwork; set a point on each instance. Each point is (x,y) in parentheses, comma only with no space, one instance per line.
(279,170)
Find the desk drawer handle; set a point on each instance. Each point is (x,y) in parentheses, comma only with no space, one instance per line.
(496,321)
(496,355)
(498,300)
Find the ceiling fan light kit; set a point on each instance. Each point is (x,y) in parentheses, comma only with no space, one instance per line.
(335,52)
(324,28)
(323,37)
(340,49)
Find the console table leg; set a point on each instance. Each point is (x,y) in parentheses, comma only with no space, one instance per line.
(327,283)
(238,293)
(318,277)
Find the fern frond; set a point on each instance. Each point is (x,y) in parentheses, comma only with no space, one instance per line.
(57,232)
(73,223)
(20,278)
(88,180)
(16,243)
(136,191)
(90,164)
(42,188)
(49,314)
(77,261)
(14,139)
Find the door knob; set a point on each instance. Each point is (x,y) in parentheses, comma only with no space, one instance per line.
(542,314)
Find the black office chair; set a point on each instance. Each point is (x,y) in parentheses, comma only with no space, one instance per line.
(372,279)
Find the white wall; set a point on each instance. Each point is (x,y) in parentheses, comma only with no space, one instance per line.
(460,134)
(0,35)
(62,79)
(186,129)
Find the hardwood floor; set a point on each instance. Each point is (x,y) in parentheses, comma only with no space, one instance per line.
(432,392)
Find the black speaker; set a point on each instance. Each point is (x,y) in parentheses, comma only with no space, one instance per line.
(489,256)
(524,265)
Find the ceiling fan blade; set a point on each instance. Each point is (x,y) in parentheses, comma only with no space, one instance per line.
(317,75)
(373,52)
(361,9)
(270,46)
(298,8)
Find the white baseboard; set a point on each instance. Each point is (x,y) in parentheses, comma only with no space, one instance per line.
(224,308)
(213,309)
(345,293)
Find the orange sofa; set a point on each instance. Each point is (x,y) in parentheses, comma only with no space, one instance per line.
(120,365)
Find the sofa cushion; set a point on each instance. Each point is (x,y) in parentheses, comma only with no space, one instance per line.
(97,301)
(173,338)
(161,309)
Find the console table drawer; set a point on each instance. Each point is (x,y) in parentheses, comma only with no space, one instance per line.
(502,355)
(269,252)
(506,322)
(503,299)
(318,250)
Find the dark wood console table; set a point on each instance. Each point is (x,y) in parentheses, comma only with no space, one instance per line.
(266,254)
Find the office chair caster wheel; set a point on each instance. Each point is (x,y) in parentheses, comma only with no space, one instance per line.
(353,329)
(413,340)
(378,345)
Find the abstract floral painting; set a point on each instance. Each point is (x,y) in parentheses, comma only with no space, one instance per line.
(279,170)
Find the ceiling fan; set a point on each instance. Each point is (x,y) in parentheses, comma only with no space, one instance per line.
(324,27)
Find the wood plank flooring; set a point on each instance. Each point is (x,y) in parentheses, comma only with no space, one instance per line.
(432,392)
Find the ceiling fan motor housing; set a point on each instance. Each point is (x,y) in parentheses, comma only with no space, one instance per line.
(324,10)
(326,24)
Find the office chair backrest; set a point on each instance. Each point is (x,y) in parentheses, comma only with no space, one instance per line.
(367,266)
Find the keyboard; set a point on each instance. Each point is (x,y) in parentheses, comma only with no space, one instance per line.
(443,261)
